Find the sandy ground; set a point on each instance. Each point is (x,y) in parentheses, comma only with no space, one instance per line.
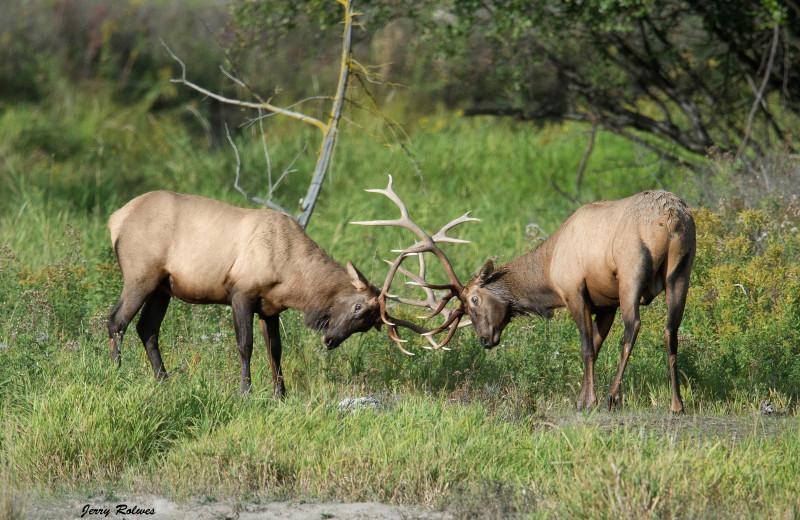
(152,507)
(143,507)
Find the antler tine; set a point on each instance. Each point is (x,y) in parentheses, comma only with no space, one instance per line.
(391,327)
(418,280)
(451,323)
(441,235)
(392,322)
(446,340)
(430,303)
(404,220)
(426,244)
(452,318)
(425,333)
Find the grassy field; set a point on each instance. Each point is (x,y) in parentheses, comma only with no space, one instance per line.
(482,434)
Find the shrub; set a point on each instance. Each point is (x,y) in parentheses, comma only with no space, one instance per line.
(744,304)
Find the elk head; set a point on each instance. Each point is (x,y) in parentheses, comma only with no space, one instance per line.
(354,310)
(429,244)
(487,305)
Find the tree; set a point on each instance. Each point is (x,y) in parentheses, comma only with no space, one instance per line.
(329,129)
(677,76)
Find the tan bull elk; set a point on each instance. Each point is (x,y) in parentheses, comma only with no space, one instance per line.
(607,255)
(260,262)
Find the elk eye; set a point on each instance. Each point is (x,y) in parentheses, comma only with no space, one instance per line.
(474,300)
(357,308)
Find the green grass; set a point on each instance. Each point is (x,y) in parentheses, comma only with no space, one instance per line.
(479,433)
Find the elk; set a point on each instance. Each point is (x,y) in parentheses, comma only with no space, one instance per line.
(607,255)
(260,262)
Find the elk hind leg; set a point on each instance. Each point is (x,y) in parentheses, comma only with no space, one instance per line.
(148,327)
(130,301)
(270,328)
(243,311)
(602,325)
(629,309)
(677,287)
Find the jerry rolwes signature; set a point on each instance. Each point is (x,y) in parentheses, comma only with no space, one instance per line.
(118,510)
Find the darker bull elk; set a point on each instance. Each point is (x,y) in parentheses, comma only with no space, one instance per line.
(260,262)
(607,255)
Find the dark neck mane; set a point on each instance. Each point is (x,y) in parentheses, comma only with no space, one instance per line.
(524,283)
(314,285)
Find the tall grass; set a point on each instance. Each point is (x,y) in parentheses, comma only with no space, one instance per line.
(479,433)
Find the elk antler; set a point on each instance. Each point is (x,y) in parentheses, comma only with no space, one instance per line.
(437,306)
(427,243)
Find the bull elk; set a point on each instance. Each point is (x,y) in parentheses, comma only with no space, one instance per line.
(260,262)
(607,255)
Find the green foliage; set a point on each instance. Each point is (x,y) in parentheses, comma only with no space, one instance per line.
(744,302)
(476,432)
(678,71)
(44,42)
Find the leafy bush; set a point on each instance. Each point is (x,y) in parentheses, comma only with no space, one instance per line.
(740,327)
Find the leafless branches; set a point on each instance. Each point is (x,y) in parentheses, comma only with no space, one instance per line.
(329,130)
(760,93)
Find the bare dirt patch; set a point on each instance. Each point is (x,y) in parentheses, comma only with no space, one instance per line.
(154,507)
(696,426)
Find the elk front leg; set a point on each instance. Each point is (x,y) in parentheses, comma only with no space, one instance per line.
(581,313)
(243,324)
(270,327)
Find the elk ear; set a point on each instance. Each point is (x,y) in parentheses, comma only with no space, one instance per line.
(356,278)
(485,272)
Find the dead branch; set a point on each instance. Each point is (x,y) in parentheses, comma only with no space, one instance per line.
(237,102)
(268,203)
(760,93)
(331,129)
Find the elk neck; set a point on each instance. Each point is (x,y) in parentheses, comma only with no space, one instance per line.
(526,282)
(313,286)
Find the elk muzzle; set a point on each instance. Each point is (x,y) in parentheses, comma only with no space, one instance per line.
(491,338)
(331,342)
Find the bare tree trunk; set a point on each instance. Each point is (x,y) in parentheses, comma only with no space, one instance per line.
(329,130)
(310,200)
